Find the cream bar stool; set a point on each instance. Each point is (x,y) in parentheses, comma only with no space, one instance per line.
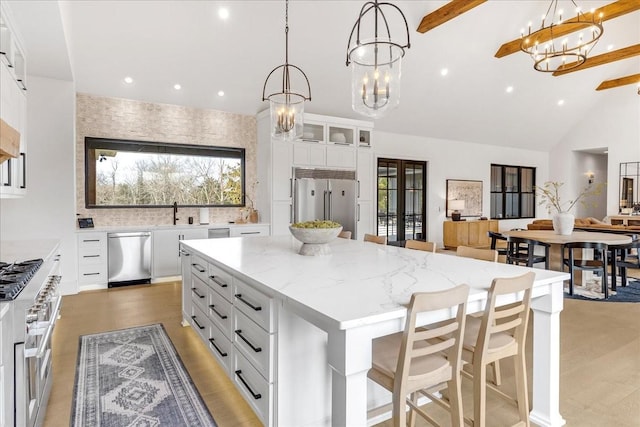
(498,334)
(381,240)
(420,245)
(345,234)
(481,254)
(409,362)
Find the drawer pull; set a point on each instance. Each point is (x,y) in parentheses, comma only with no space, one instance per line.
(199,267)
(91,240)
(90,274)
(195,291)
(255,396)
(196,322)
(256,308)
(250,232)
(256,349)
(215,279)
(220,315)
(90,256)
(222,353)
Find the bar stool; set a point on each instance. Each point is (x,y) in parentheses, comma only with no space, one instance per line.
(420,245)
(477,253)
(345,234)
(410,362)
(522,251)
(381,240)
(599,263)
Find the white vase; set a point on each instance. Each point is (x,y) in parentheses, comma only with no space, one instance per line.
(563,223)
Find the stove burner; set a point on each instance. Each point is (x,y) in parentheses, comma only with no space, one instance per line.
(14,277)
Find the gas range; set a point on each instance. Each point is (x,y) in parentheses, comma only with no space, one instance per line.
(15,276)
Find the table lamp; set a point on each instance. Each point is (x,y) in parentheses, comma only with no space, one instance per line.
(456,206)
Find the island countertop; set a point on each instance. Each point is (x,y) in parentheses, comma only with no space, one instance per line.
(359,282)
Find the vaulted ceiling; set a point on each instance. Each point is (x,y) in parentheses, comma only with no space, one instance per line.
(161,43)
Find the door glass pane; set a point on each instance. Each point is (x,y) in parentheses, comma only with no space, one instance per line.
(496,205)
(511,179)
(496,178)
(527,180)
(528,206)
(511,210)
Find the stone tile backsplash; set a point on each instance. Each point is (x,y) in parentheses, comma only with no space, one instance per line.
(142,121)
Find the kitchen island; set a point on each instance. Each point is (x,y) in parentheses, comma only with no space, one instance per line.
(325,311)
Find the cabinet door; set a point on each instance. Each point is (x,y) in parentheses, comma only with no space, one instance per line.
(165,253)
(281,174)
(282,217)
(341,157)
(185,269)
(196,233)
(455,234)
(365,218)
(366,173)
(309,154)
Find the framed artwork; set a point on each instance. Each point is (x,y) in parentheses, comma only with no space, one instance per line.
(464,190)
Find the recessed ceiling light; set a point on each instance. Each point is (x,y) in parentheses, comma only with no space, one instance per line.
(220,93)
(128,80)
(561,102)
(509,89)
(444,71)
(223,13)
(177,86)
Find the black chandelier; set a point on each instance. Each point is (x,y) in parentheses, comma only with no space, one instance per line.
(375,71)
(287,105)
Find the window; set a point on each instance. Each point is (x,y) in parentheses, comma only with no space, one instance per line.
(120,173)
(512,192)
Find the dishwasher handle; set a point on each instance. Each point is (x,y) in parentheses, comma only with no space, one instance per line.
(132,234)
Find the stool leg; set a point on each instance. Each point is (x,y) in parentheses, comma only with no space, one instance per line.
(605,285)
(614,277)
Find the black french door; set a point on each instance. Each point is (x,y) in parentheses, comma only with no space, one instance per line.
(402,199)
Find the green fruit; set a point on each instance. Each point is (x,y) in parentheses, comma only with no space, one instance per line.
(316,224)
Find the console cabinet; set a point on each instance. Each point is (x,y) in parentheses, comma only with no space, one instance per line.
(468,233)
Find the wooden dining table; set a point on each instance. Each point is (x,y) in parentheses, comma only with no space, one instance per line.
(558,240)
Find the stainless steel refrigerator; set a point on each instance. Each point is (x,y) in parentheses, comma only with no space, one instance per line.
(326,194)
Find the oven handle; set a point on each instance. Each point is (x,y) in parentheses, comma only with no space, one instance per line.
(40,352)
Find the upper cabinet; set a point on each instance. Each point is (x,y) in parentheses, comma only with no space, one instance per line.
(13,110)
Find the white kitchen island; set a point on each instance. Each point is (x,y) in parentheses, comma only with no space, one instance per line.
(354,295)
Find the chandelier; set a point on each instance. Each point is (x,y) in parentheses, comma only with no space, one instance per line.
(375,62)
(287,105)
(550,46)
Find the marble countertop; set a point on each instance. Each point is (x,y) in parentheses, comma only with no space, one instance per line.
(359,283)
(115,228)
(22,250)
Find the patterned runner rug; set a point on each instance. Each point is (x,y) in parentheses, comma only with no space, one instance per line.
(134,377)
(592,291)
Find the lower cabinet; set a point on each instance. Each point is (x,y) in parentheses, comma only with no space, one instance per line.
(468,233)
(6,365)
(166,256)
(238,325)
(92,258)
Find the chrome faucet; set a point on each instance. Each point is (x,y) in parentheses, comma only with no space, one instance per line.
(175,212)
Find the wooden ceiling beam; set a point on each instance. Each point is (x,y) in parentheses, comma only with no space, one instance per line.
(610,11)
(622,81)
(605,58)
(447,12)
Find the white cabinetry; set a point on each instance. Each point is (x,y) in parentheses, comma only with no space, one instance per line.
(366,193)
(165,259)
(13,107)
(249,230)
(327,142)
(92,258)
(6,365)
(238,324)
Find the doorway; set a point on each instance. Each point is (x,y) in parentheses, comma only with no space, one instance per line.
(401,199)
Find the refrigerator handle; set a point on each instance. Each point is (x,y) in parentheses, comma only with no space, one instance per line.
(358,213)
(290,187)
(324,205)
(358,189)
(330,209)
(291,214)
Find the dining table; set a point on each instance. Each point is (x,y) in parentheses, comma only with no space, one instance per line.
(330,308)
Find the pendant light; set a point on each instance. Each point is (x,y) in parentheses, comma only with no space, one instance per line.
(287,105)
(375,61)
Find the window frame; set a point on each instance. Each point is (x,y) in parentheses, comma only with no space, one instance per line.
(518,191)
(91,143)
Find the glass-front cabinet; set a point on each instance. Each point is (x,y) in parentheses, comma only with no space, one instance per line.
(629,188)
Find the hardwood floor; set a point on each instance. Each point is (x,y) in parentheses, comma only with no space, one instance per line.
(599,360)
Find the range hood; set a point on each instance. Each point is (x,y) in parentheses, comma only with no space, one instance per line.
(9,142)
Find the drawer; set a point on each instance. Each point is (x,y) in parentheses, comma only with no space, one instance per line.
(91,242)
(199,293)
(249,230)
(220,312)
(92,273)
(221,282)
(255,390)
(221,347)
(258,306)
(200,323)
(199,267)
(90,258)
(254,343)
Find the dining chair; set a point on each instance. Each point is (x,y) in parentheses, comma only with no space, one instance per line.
(500,333)
(522,251)
(410,362)
(597,264)
(495,237)
(420,245)
(628,259)
(381,240)
(477,253)
(344,234)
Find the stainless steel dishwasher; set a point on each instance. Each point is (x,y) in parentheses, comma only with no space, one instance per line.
(129,257)
(218,233)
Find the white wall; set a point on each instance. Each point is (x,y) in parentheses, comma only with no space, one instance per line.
(458,160)
(615,124)
(48,209)
(594,206)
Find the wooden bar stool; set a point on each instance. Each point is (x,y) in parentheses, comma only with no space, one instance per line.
(477,253)
(420,245)
(381,240)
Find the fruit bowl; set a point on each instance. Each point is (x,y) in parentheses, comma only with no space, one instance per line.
(315,239)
